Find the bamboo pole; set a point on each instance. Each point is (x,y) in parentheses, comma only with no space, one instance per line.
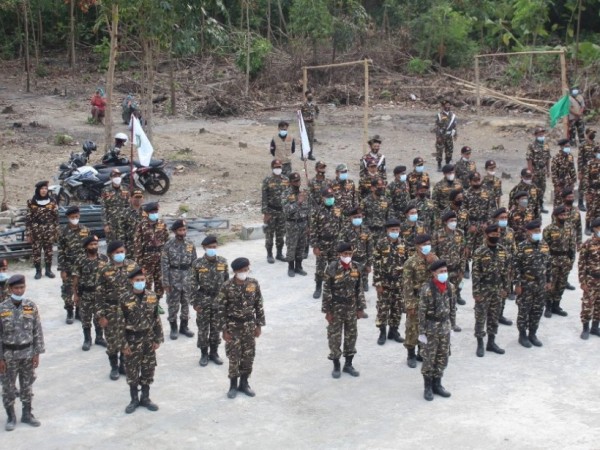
(537,52)
(366,108)
(304,81)
(477,90)
(350,63)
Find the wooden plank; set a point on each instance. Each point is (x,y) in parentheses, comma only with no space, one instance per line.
(343,64)
(537,52)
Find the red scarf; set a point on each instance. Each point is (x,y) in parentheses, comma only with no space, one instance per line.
(441,286)
(344,265)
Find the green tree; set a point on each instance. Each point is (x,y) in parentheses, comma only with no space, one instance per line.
(311,19)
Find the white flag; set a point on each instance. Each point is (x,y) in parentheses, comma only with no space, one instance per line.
(141,141)
(303,136)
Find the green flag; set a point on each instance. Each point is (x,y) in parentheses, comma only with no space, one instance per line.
(559,110)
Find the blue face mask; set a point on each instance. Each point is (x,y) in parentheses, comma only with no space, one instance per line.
(357,221)
(413,217)
(420,169)
(283,133)
(344,176)
(16,298)
(153,217)
(3,277)
(403,177)
(329,201)
(393,235)
(503,223)
(118,257)
(426,249)
(211,252)
(597,155)
(139,285)
(567,150)
(541,139)
(442,277)
(536,237)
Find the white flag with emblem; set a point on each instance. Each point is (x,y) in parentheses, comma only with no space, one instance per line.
(141,141)
(303,136)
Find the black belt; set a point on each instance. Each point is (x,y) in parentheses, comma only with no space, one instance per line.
(180,267)
(136,334)
(16,346)
(241,319)
(88,288)
(595,276)
(297,220)
(275,208)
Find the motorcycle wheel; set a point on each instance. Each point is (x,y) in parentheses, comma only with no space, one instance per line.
(157,183)
(63,198)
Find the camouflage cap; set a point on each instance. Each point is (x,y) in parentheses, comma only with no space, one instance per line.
(341,168)
(320,164)
(374,138)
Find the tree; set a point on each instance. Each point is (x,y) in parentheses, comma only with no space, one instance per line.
(311,19)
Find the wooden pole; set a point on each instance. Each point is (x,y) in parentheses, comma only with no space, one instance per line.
(539,52)
(477,90)
(113,26)
(565,87)
(366,111)
(349,63)
(248,47)
(304,80)
(26,27)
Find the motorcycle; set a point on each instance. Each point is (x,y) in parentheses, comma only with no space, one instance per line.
(78,182)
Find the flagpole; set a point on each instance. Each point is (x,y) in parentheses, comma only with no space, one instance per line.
(132,121)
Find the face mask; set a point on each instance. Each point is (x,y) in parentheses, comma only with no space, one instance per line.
(491,173)
(575,92)
(493,240)
(92,251)
(458,203)
(597,155)
(241,276)
(541,139)
(73,221)
(426,249)
(211,252)
(527,181)
(277,171)
(569,202)
(465,158)
(283,133)
(139,285)
(43,202)
(413,217)
(403,178)
(598,234)
(329,201)
(503,223)
(357,221)
(442,277)
(536,237)
(118,257)
(567,150)
(117,181)
(420,169)
(344,176)
(523,203)
(346,259)
(3,277)
(393,235)
(16,298)
(450,177)
(452,225)
(153,217)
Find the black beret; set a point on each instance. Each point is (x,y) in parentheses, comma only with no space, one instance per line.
(492,228)
(596,222)
(437,264)
(152,206)
(39,184)
(135,272)
(72,210)
(567,191)
(563,141)
(559,210)
(466,149)
(455,193)
(418,161)
(448,168)
(114,245)
(410,206)
(344,247)
(392,223)
(448,215)
(354,211)
(422,238)
(179,223)
(532,225)
(526,173)
(88,240)
(210,239)
(498,212)
(399,169)
(475,176)
(520,194)
(16,279)
(490,163)
(294,176)
(327,192)
(240,263)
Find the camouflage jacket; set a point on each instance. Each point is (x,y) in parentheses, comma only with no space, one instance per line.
(563,171)
(589,262)
(293,210)
(490,270)
(375,210)
(150,238)
(414,178)
(539,155)
(4,292)
(176,263)
(240,304)
(463,170)
(325,226)
(532,263)
(362,242)
(427,212)
(436,310)
(561,240)
(479,205)
(310,111)
(131,220)
(494,185)
(416,274)
(115,203)
(518,219)
(140,314)
(112,285)
(273,190)
(345,194)
(20,325)
(441,192)
(343,287)
(87,270)
(314,188)
(209,276)
(574,220)
(70,246)
(586,153)
(41,219)
(535,197)
(462,217)
(451,247)
(591,177)
(408,233)
(364,184)
(445,123)
(399,195)
(379,158)
(388,263)
(508,240)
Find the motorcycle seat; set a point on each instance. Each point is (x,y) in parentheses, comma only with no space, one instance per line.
(153,163)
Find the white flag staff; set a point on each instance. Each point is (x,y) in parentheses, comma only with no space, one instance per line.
(305,142)
(144,147)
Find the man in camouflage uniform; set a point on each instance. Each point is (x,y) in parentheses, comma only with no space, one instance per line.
(416,176)
(176,265)
(445,134)
(479,204)
(563,171)
(587,152)
(591,181)
(538,163)
(150,237)
(491,284)
(573,215)
(464,168)
(310,113)
(457,205)
(425,207)
(112,284)
(297,212)
(375,208)
(85,293)
(241,318)
(21,343)
(562,242)
(133,217)
(533,283)
(210,272)
(533,193)
(69,251)
(357,234)
(442,189)
(140,335)
(282,148)
(520,215)
(576,112)
(115,206)
(492,182)
(437,306)
(344,189)
(416,274)
(389,257)
(368,177)
(41,228)
(273,188)
(398,194)
(374,156)
(589,274)
(316,185)
(507,240)
(325,225)
(343,303)
(411,228)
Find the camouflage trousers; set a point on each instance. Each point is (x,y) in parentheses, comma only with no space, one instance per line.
(487,313)
(475,240)
(445,142)
(286,169)
(590,304)
(296,234)
(310,131)
(178,298)
(208,327)
(455,277)
(435,354)
(39,243)
(344,323)
(112,332)
(23,369)
(561,266)
(593,208)
(411,331)
(139,366)
(87,309)
(242,348)
(531,306)
(390,306)
(327,255)
(118,232)
(577,129)
(66,291)
(151,264)
(539,179)
(275,230)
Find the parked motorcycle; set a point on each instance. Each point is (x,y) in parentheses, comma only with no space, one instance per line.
(80,183)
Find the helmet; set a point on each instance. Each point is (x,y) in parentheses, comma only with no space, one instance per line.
(89,146)
(121,136)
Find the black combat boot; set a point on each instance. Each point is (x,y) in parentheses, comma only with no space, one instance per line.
(460,301)
(336,373)
(569,286)
(411,360)
(580,204)
(183,328)
(492,346)
(544,210)
(270,258)
(523,339)
(11,419)
(122,364)
(585,334)
(439,389)
(38,271)
(49,272)
(310,155)
(279,257)
(439,169)
(395,334)
(135,401)
(233,385)
(173,334)
(291,269)
(87,339)
(214,355)
(556,309)
(245,387)
(349,368)
(595,330)
(533,338)
(145,399)
(114,366)
(298,269)
(382,335)
(204,356)
(456,328)
(467,274)
(69,320)
(479,351)
(28,417)
(100,337)
(77,313)
(504,321)
(428,393)
(588,229)
(419,357)
(318,287)
(548,310)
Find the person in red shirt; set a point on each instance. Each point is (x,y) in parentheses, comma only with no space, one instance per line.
(98,103)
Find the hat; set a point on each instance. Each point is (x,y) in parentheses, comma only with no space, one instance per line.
(114,245)
(399,169)
(179,223)
(539,130)
(596,222)
(567,191)
(437,264)
(532,225)
(521,194)
(354,211)
(498,212)
(410,206)
(240,263)
(294,176)
(344,247)
(40,184)
(526,173)
(276,162)
(375,138)
(448,168)
(559,210)
(72,210)
(475,176)
(320,164)
(208,240)
(466,149)
(492,228)
(445,101)
(449,215)
(563,142)
(135,272)
(88,240)
(418,161)
(392,223)
(455,193)
(327,192)
(371,162)
(115,172)
(137,193)
(490,163)
(422,238)
(149,207)
(16,279)
(341,168)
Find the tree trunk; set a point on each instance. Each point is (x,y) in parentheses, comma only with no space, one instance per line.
(72,34)
(577,37)
(247,47)
(26,28)
(36,50)
(148,48)
(113,27)
(269,32)
(40,29)
(172,85)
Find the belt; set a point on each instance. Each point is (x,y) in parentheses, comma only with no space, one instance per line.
(436,319)
(375,228)
(275,208)
(297,220)
(16,346)
(136,334)
(557,253)
(207,293)
(153,249)
(180,267)
(595,276)
(241,319)
(88,288)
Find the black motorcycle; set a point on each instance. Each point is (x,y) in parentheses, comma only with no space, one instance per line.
(78,182)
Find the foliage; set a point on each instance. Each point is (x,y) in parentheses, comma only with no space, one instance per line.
(418,66)
(259,50)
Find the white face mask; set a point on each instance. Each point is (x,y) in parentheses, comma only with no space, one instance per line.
(452,225)
(450,177)
(73,221)
(403,177)
(277,171)
(598,234)
(241,276)
(491,173)
(526,181)
(346,259)
(117,181)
